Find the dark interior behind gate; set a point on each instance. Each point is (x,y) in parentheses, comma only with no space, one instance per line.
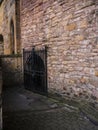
(35,70)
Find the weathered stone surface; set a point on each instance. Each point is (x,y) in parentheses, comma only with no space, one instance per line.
(12,71)
(9,11)
(71,27)
(96,73)
(1,18)
(83,24)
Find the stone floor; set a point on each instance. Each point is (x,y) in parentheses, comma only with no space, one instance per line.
(24,110)
(0,118)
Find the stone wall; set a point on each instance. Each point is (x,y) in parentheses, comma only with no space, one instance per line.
(69,29)
(11,64)
(12,71)
(18,36)
(9,11)
(9,14)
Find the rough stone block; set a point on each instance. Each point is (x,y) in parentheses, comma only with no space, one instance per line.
(96,73)
(71,26)
(79,38)
(83,24)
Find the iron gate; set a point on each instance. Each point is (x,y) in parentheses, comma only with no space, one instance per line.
(35,70)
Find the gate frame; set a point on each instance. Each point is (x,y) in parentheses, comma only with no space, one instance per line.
(45,64)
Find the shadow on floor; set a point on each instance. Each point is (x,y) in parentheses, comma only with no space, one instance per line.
(24,110)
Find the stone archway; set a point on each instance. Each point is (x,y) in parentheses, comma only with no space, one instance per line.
(1,43)
(1,39)
(12,38)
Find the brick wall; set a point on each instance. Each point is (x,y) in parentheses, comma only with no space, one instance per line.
(69,29)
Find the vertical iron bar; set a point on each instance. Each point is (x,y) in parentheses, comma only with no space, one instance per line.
(46,80)
(23,67)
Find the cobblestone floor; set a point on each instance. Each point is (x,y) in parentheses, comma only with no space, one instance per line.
(48,116)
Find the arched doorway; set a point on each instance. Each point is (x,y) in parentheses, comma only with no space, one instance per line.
(1,44)
(1,39)
(12,42)
(35,73)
